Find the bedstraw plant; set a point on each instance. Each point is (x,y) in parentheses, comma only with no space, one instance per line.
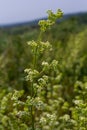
(36,110)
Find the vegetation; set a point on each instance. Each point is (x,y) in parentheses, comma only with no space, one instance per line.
(43,83)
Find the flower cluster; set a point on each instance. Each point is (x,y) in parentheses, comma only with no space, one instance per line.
(45,24)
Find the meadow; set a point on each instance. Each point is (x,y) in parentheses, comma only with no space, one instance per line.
(43,74)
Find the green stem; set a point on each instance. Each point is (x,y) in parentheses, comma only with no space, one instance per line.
(32,90)
(31,110)
(40,36)
(32,118)
(35,59)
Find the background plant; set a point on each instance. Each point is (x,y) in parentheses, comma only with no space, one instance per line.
(52,95)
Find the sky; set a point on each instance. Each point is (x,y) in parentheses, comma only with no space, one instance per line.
(16,11)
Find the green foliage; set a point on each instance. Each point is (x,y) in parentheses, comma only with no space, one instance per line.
(43,86)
